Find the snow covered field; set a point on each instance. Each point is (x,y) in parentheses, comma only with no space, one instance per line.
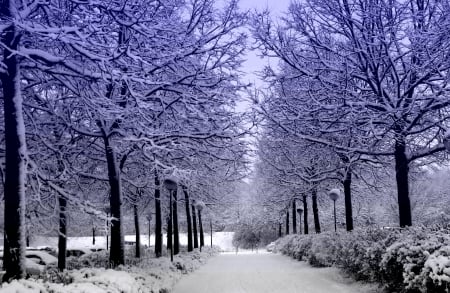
(263,272)
(221,239)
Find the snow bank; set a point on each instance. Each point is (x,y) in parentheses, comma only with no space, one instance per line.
(148,275)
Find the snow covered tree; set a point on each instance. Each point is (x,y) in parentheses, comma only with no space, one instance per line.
(379,67)
(15,147)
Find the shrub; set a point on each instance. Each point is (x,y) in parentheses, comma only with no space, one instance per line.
(404,260)
(436,271)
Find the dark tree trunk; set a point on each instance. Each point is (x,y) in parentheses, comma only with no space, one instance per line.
(176,234)
(149,229)
(137,231)
(28,240)
(202,236)
(116,256)
(158,219)
(107,236)
(169,226)
(93,235)
(402,170)
(294,217)
(305,215)
(315,210)
(287,221)
(280,233)
(188,218)
(348,200)
(15,148)
(62,238)
(194,222)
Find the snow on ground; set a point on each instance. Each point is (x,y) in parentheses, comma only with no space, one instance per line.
(271,273)
(148,275)
(221,239)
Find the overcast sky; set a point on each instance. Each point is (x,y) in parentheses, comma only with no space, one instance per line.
(276,8)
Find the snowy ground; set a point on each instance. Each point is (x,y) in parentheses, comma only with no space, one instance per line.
(152,275)
(263,272)
(221,239)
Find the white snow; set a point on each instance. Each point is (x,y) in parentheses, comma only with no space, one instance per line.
(266,273)
(148,275)
(221,239)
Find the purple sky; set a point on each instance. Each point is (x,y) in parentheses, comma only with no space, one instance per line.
(276,8)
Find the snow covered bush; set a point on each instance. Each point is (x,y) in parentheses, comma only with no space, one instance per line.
(295,246)
(324,250)
(99,259)
(436,271)
(360,252)
(404,260)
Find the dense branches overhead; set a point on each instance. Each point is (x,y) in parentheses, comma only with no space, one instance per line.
(365,78)
(113,91)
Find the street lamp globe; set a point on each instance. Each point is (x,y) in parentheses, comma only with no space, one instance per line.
(299,211)
(200,205)
(334,194)
(170,183)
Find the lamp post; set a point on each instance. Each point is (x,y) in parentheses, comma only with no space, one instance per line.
(334,195)
(171,185)
(200,207)
(300,212)
(210,228)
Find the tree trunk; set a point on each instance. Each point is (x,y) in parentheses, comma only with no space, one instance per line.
(107,235)
(158,219)
(402,170)
(202,236)
(280,233)
(149,230)
(315,210)
(294,217)
(305,215)
(287,221)
(15,148)
(137,231)
(107,230)
(348,200)
(169,225)
(176,234)
(62,238)
(188,218)
(194,222)
(116,256)
(93,235)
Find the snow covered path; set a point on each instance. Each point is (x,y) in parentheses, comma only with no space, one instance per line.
(259,273)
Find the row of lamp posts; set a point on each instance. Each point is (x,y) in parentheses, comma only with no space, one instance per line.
(333,194)
(171,185)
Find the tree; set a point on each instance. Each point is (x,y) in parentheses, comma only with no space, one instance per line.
(381,64)
(15,146)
